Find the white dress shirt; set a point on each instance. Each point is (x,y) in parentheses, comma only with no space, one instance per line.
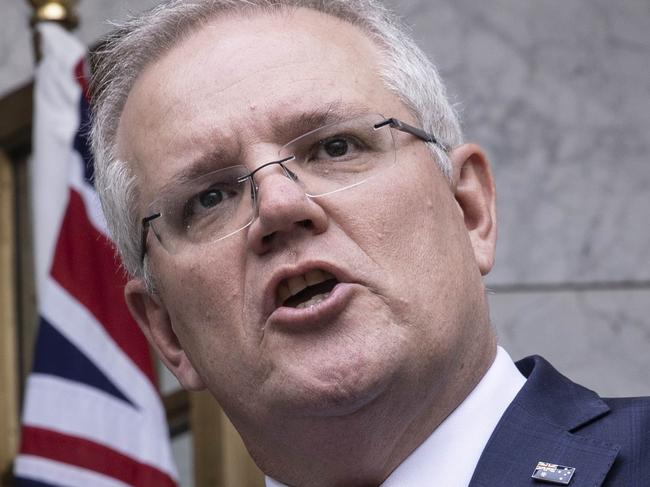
(450,454)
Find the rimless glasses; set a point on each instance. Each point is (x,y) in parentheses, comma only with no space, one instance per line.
(330,159)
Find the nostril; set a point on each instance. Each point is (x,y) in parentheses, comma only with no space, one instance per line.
(306,224)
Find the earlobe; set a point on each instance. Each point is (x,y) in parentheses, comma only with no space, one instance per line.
(476,197)
(154,321)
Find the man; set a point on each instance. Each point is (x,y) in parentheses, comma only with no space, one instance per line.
(307,234)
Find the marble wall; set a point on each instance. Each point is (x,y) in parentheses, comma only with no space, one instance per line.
(558,93)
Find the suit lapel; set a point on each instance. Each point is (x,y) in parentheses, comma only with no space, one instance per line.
(541,425)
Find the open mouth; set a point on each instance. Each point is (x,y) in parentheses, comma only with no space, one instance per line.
(305,290)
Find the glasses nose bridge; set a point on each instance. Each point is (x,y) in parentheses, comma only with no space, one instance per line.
(280,162)
(284,170)
(276,199)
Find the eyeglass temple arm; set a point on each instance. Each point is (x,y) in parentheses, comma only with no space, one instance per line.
(145,231)
(409,129)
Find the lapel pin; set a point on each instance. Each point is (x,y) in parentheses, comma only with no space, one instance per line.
(553,474)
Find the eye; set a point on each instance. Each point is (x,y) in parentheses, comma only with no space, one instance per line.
(211,198)
(343,147)
(213,204)
(336,147)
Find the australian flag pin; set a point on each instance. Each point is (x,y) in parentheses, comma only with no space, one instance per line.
(553,474)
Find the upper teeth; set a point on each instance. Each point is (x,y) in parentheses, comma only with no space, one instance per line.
(293,285)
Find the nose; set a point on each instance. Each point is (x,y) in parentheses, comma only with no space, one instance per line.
(284,211)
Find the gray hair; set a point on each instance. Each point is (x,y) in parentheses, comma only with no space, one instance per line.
(142,40)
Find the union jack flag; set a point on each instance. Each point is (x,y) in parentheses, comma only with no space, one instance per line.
(92,414)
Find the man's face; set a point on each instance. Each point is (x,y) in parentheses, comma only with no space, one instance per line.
(404,311)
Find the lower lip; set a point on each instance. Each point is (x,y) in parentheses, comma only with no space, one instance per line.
(317,315)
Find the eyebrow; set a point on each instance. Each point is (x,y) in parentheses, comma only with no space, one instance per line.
(218,158)
(284,129)
(287,128)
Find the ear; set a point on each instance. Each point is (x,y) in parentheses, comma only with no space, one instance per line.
(152,317)
(476,196)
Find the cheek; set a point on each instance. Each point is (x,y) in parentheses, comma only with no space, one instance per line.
(204,299)
(413,231)
(207,315)
(407,219)
(202,285)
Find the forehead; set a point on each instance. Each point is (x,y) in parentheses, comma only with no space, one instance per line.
(237,83)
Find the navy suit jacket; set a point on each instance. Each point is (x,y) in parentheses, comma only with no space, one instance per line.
(554,420)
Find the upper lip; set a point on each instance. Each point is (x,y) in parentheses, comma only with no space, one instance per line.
(287,272)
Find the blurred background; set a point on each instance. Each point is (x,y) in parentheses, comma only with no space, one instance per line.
(558,93)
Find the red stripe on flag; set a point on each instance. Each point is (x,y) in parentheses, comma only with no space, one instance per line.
(82,78)
(86,266)
(91,456)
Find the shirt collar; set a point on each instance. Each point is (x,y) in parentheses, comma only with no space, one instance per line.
(449,455)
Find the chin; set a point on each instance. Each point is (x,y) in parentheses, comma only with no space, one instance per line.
(329,387)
